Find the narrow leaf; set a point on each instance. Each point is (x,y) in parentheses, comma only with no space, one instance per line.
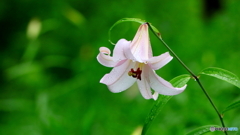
(124,20)
(203,130)
(157,107)
(178,81)
(232,106)
(222,74)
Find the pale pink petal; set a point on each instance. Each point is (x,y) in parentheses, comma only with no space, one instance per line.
(118,80)
(160,85)
(140,46)
(157,62)
(104,57)
(118,51)
(128,54)
(118,54)
(144,88)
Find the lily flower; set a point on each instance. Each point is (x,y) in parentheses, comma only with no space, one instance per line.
(133,62)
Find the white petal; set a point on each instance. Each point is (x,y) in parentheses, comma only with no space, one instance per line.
(118,54)
(162,86)
(155,96)
(104,57)
(157,62)
(144,88)
(128,54)
(118,51)
(118,80)
(140,46)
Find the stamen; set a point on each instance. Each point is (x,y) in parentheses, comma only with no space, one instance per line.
(135,74)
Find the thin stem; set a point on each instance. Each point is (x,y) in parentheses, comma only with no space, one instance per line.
(193,75)
(210,100)
(160,38)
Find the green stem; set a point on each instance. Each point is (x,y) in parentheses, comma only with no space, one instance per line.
(193,75)
(160,38)
(210,100)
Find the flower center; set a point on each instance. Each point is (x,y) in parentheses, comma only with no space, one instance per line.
(135,74)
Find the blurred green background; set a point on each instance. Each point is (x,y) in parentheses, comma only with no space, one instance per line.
(50,75)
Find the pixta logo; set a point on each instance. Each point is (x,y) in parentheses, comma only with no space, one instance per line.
(223,129)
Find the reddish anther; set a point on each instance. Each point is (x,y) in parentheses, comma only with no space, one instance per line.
(135,74)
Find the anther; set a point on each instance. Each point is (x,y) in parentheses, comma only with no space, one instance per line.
(135,74)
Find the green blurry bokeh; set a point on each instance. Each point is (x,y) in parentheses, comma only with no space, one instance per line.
(50,75)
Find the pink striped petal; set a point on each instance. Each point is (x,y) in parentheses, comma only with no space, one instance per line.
(140,46)
(118,80)
(157,62)
(160,85)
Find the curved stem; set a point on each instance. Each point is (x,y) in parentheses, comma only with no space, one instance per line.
(157,34)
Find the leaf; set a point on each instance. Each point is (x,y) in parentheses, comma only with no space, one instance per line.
(178,81)
(202,130)
(157,107)
(155,30)
(236,129)
(232,106)
(124,20)
(222,74)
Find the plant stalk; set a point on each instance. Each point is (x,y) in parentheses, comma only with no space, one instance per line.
(158,35)
(210,100)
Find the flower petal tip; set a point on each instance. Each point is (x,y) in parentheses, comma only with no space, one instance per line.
(155,96)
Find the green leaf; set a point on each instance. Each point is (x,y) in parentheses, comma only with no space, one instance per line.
(178,81)
(159,104)
(232,106)
(155,30)
(237,131)
(202,130)
(222,74)
(124,20)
